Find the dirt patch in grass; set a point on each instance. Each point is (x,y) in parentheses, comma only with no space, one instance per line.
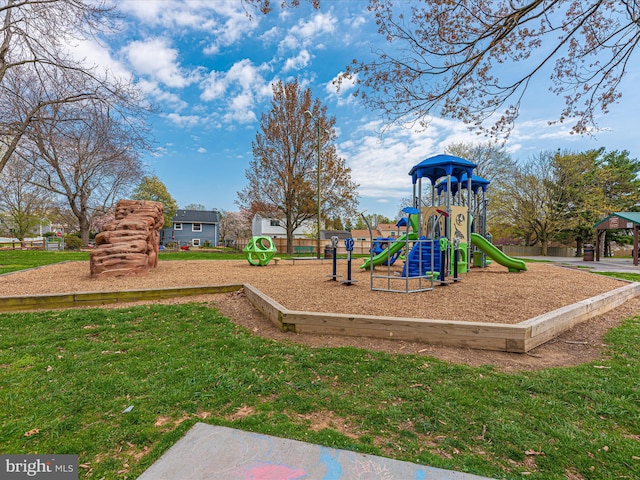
(484,295)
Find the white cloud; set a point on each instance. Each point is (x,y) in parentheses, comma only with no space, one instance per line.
(169,99)
(156,59)
(380,162)
(271,35)
(240,109)
(200,15)
(214,86)
(231,30)
(246,74)
(357,21)
(159,152)
(94,53)
(149,11)
(243,85)
(225,22)
(202,150)
(306,33)
(183,120)
(298,62)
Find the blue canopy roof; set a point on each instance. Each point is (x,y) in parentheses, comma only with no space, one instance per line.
(440,166)
(403,222)
(477,183)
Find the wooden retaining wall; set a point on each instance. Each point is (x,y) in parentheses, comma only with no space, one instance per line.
(85,299)
(518,338)
(549,325)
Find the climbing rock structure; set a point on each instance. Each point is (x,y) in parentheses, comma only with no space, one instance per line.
(129,245)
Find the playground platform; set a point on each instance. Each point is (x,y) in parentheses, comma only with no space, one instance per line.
(209,452)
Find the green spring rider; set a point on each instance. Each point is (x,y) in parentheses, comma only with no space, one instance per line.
(260,251)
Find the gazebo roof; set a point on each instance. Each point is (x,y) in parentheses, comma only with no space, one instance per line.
(440,166)
(633,217)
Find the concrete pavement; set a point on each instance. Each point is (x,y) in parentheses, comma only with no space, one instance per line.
(209,452)
(607,264)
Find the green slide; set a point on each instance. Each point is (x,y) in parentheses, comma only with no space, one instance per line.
(390,251)
(396,246)
(513,264)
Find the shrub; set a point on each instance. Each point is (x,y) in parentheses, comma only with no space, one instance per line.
(72,242)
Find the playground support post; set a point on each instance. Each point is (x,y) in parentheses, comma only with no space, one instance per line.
(334,247)
(469,213)
(348,243)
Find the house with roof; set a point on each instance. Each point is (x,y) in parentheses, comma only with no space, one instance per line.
(389,230)
(274,227)
(196,228)
(364,235)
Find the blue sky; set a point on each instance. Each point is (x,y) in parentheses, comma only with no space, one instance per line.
(209,69)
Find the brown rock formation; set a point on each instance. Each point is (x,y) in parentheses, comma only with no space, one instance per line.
(129,245)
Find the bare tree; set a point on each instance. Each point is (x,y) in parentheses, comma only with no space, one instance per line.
(38,70)
(283,173)
(447,58)
(84,155)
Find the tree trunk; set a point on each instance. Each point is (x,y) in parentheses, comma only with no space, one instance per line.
(84,230)
(289,238)
(579,243)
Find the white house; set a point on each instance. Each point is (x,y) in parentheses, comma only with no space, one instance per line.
(274,228)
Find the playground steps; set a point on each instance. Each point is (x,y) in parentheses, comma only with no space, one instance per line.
(419,259)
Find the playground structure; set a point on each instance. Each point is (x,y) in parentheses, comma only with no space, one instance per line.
(129,244)
(260,250)
(440,235)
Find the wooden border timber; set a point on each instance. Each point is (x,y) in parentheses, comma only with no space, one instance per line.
(481,335)
(517,338)
(85,299)
(549,325)
(267,306)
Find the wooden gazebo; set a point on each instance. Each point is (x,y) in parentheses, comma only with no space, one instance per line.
(617,221)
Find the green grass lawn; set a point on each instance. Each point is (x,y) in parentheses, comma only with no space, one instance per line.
(67,376)
(14,260)
(632,277)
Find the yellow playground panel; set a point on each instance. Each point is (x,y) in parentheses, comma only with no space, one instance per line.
(436,225)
